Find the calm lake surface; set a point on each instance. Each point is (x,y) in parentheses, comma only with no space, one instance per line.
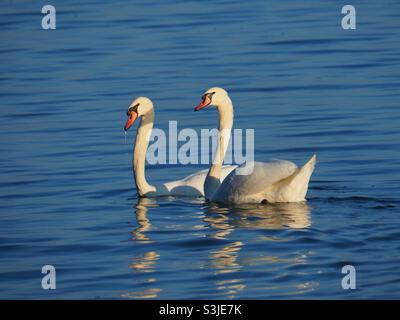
(305,85)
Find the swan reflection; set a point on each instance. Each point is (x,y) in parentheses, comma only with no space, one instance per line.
(139,233)
(146,263)
(225,261)
(228,257)
(270,216)
(224,220)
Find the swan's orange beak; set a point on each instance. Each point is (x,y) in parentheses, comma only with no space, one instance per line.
(131,120)
(206,101)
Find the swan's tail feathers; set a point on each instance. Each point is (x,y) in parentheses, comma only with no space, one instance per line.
(310,165)
(300,180)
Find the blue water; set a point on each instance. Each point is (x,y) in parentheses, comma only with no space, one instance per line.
(67,194)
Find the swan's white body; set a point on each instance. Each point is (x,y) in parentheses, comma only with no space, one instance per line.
(276,181)
(192,185)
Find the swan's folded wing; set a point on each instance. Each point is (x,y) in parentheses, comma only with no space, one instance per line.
(263,175)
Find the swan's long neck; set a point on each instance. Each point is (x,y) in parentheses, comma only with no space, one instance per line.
(139,153)
(212,182)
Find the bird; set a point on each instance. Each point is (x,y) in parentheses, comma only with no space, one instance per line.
(191,186)
(251,182)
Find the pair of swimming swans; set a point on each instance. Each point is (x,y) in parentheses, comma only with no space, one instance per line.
(266,182)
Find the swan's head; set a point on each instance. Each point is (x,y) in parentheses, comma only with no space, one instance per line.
(139,107)
(213,97)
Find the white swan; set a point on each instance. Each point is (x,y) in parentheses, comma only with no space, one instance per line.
(276,181)
(192,185)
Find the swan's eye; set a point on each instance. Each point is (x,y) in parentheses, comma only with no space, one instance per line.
(208,95)
(133,108)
